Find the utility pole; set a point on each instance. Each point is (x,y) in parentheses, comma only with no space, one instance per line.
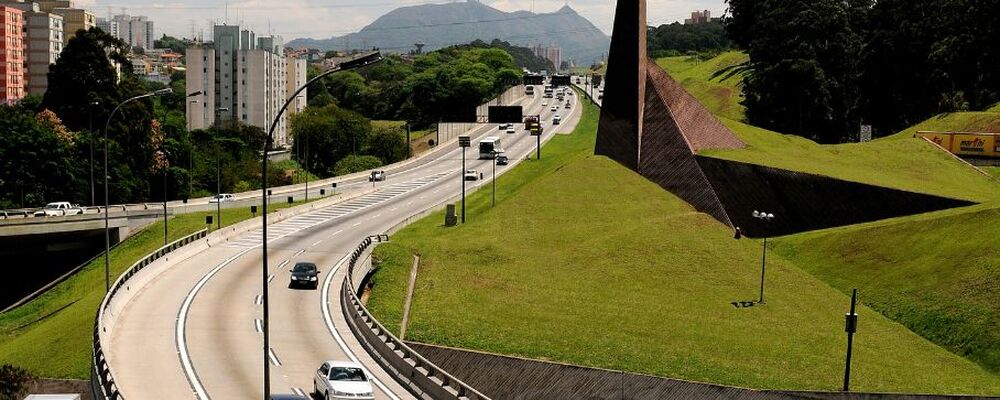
(464,142)
(218,192)
(851,327)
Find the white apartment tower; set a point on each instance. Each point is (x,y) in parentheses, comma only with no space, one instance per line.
(245,78)
(137,31)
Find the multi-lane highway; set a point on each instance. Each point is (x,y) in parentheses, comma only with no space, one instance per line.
(194,330)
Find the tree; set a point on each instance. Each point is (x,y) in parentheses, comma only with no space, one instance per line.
(387,143)
(14,382)
(353,163)
(681,38)
(83,74)
(37,160)
(338,132)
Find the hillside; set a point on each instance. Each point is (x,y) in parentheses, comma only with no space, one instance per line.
(902,162)
(442,25)
(651,296)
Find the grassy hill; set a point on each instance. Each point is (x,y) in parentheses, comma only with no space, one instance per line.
(935,273)
(721,95)
(652,295)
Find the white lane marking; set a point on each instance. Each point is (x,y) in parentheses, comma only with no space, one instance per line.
(336,233)
(325,306)
(300,252)
(273,357)
(270,278)
(181,332)
(299,392)
(257,324)
(317,243)
(283,264)
(409,203)
(257,300)
(356,224)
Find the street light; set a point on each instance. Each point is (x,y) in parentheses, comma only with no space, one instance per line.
(464,142)
(494,153)
(163,154)
(766,218)
(107,231)
(218,177)
(90,122)
(367,59)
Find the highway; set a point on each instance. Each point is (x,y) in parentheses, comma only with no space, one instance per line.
(194,330)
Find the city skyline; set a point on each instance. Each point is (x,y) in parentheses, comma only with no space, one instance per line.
(312,18)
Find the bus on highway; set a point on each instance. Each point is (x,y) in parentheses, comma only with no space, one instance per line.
(529,90)
(488,146)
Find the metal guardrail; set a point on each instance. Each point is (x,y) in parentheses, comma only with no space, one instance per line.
(102,381)
(30,212)
(389,351)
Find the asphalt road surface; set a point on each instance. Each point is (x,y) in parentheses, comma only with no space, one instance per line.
(194,330)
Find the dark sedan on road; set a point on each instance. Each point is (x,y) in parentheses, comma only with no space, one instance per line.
(304,274)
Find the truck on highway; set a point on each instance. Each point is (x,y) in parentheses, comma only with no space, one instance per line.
(488,147)
(59,208)
(529,90)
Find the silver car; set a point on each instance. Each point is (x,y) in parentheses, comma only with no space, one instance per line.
(342,380)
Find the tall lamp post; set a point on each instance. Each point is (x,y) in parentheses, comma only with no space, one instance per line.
(107,230)
(464,142)
(191,149)
(218,176)
(495,153)
(766,218)
(362,61)
(163,153)
(90,122)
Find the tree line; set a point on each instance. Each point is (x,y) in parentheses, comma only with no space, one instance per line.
(821,68)
(676,39)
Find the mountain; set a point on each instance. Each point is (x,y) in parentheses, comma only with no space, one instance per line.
(441,25)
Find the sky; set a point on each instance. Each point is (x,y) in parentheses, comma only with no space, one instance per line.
(321,19)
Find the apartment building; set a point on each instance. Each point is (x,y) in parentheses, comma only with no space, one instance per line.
(136,30)
(74,19)
(552,53)
(245,78)
(43,42)
(12,83)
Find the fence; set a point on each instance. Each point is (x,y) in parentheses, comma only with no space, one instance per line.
(30,212)
(395,356)
(102,380)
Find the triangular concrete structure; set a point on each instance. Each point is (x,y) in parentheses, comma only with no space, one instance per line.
(651,125)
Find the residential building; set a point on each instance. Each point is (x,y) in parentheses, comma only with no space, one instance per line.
(43,41)
(552,53)
(699,17)
(245,79)
(136,31)
(12,83)
(74,19)
(296,79)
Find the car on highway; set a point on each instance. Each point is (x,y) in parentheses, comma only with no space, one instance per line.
(288,397)
(510,128)
(342,380)
(376,176)
(471,175)
(222,198)
(556,119)
(59,208)
(505,126)
(545,104)
(568,105)
(304,274)
(554,108)
(502,159)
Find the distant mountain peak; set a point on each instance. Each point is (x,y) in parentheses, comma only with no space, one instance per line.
(442,25)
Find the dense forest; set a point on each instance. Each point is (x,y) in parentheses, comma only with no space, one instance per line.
(821,68)
(677,39)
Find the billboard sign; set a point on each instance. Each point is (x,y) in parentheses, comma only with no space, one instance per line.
(966,144)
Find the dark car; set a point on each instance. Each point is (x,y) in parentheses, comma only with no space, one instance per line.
(502,159)
(288,397)
(304,274)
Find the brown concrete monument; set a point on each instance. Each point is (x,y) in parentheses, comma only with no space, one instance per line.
(652,126)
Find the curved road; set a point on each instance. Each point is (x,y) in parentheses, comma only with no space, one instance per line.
(193,331)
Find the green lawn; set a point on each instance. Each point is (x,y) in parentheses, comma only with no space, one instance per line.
(987,121)
(651,295)
(51,335)
(721,95)
(938,274)
(994,171)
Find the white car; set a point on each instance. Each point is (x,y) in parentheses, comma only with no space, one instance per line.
(510,129)
(222,198)
(545,104)
(554,108)
(471,175)
(342,380)
(556,119)
(59,208)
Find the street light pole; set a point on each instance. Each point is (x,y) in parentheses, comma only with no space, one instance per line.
(494,178)
(107,229)
(90,121)
(766,218)
(165,230)
(364,60)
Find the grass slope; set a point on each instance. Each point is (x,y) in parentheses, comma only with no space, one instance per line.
(720,95)
(51,335)
(938,274)
(652,295)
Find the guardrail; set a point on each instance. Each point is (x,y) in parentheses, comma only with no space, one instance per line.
(102,381)
(30,212)
(394,355)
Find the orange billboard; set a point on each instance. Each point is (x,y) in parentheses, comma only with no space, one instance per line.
(966,144)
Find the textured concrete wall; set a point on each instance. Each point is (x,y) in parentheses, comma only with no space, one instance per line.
(619,128)
(511,378)
(803,202)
